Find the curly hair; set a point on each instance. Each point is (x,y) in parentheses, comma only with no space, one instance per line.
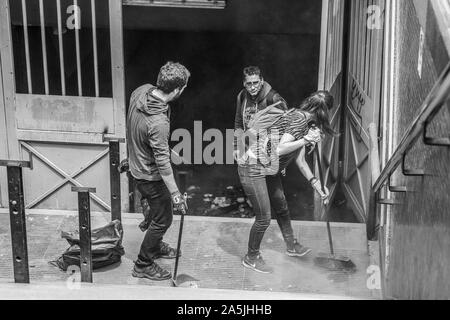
(172,75)
(251,71)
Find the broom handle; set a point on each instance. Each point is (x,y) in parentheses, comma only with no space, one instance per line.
(177,258)
(330,239)
(180,233)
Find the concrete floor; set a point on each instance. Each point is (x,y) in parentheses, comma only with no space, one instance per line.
(212,251)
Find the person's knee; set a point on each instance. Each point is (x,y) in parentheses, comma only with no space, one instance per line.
(157,227)
(280,205)
(282,211)
(262,224)
(169,221)
(161,226)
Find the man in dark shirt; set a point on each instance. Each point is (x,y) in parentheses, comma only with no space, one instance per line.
(148,128)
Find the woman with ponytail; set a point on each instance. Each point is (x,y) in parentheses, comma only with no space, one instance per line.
(278,144)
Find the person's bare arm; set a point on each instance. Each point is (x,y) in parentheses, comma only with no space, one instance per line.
(288,144)
(308,174)
(303,165)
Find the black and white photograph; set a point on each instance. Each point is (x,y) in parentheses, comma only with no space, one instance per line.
(224,155)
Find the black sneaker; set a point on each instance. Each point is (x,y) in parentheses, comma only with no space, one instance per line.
(152,272)
(297,250)
(166,252)
(258,264)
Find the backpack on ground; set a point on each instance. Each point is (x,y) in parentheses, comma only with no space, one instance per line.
(106,247)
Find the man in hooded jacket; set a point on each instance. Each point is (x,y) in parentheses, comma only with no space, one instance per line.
(148,126)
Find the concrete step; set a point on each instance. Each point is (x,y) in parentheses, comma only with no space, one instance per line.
(212,252)
(84,291)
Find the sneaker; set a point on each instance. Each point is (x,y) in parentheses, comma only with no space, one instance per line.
(166,252)
(258,264)
(152,272)
(297,250)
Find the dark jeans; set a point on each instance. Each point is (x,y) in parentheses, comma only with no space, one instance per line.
(161,213)
(264,193)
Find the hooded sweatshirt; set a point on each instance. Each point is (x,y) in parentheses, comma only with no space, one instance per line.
(247,105)
(148,127)
(246,108)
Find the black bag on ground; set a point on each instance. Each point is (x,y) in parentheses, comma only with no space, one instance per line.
(106,247)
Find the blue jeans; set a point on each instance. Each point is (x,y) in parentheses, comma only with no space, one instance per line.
(161,213)
(265,193)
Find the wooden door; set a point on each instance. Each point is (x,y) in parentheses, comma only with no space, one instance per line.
(363,100)
(61,130)
(331,79)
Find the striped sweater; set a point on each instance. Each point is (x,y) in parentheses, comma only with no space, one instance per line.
(263,150)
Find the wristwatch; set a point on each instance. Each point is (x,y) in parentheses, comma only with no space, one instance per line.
(313,180)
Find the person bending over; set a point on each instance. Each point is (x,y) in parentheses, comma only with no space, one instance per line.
(280,139)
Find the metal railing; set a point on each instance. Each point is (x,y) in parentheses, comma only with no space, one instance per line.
(436,99)
(60,32)
(17,214)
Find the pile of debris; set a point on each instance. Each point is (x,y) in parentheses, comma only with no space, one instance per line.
(231,202)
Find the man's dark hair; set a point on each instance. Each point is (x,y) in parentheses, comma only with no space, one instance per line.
(171,76)
(251,71)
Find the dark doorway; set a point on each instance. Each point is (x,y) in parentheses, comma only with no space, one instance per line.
(283,39)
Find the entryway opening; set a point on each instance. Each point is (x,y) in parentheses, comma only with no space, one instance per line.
(282,38)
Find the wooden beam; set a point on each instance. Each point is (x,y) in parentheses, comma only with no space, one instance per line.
(9,84)
(60,137)
(117,65)
(323,45)
(3,146)
(118,83)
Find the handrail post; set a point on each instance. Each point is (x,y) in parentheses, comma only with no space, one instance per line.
(84,221)
(114,174)
(374,156)
(431,106)
(17,218)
